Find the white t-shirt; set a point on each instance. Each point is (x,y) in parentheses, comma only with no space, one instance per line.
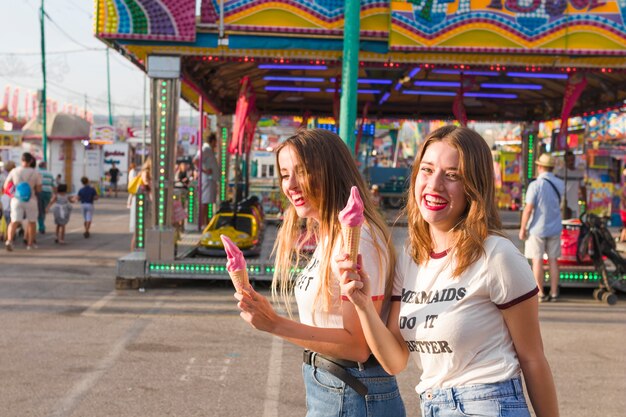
(453,327)
(308,282)
(21,174)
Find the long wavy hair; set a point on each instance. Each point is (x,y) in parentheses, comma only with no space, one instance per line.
(328,173)
(480,218)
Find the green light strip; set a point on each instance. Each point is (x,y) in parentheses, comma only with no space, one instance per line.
(162,129)
(223,153)
(576,276)
(191,204)
(205,269)
(190,268)
(210,211)
(531,154)
(140,211)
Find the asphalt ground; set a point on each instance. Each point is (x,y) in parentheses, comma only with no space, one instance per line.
(73,346)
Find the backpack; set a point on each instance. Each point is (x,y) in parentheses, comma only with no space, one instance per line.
(23,191)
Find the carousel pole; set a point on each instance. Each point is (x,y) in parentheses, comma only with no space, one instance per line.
(350,72)
(109,88)
(144,122)
(44,132)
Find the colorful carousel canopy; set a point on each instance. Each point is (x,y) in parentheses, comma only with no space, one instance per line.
(515,59)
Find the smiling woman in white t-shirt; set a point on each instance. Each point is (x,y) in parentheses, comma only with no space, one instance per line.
(341,376)
(465,301)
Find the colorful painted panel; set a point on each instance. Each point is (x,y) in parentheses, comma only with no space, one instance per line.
(509,25)
(296,16)
(162,20)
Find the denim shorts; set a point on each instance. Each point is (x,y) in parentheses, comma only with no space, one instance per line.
(87,211)
(502,399)
(328,396)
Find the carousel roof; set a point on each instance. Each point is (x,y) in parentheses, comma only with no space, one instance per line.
(515,61)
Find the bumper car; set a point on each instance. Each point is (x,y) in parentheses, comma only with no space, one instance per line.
(243,226)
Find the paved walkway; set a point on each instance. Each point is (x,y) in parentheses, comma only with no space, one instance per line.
(73,346)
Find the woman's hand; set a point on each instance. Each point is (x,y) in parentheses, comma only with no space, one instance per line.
(257,310)
(354,282)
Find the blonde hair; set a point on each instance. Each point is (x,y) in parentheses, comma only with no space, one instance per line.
(328,173)
(480,218)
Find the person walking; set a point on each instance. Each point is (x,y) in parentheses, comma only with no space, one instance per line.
(541,226)
(341,377)
(44,197)
(27,183)
(464,302)
(114,176)
(6,194)
(61,209)
(87,195)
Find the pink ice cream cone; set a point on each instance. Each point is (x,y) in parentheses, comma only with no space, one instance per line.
(351,219)
(236,264)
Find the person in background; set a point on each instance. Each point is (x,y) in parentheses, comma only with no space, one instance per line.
(182,178)
(146,188)
(575,185)
(61,209)
(210,172)
(376,198)
(541,226)
(464,302)
(3,223)
(3,175)
(130,204)
(622,207)
(341,378)
(114,176)
(146,177)
(24,231)
(43,198)
(24,210)
(6,193)
(87,195)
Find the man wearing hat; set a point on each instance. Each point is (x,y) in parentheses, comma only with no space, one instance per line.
(540,227)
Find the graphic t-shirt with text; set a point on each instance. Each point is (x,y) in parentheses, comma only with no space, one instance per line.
(453,327)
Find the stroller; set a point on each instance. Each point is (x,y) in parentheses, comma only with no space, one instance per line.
(595,242)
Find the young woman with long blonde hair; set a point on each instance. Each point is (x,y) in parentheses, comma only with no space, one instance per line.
(341,376)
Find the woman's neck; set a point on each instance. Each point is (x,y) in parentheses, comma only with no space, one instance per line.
(441,241)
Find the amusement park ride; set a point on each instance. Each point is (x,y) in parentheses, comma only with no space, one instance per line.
(482,61)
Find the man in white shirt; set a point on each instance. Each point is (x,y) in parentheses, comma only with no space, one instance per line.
(210,174)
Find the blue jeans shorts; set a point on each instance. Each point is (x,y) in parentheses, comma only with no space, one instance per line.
(502,399)
(328,396)
(87,211)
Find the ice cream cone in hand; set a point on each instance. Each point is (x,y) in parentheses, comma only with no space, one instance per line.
(351,219)
(236,265)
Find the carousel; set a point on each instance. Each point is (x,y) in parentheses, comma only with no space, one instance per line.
(463,60)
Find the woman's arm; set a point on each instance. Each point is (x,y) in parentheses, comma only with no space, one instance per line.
(385,341)
(345,343)
(522,321)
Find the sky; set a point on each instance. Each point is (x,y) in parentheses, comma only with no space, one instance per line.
(75,58)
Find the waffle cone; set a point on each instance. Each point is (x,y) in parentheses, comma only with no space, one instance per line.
(240,279)
(351,239)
